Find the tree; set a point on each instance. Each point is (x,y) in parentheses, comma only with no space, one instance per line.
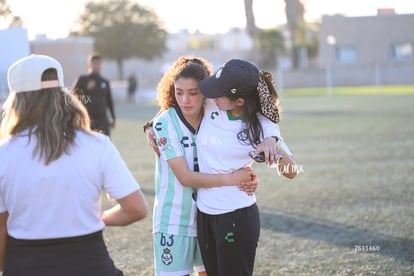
(250,21)
(7,16)
(122,29)
(251,28)
(295,11)
(268,44)
(271,45)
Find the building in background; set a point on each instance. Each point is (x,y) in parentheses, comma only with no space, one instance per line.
(363,49)
(14,46)
(369,50)
(71,52)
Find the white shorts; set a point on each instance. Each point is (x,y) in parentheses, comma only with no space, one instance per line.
(176,255)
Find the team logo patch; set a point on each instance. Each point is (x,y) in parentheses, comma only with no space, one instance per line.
(162,141)
(242,136)
(229,237)
(213,115)
(166,256)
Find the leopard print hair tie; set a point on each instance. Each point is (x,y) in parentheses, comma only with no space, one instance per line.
(268,102)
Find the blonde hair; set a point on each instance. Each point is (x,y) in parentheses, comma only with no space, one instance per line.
(52,115)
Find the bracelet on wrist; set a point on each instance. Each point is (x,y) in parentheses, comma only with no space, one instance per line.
(278,142)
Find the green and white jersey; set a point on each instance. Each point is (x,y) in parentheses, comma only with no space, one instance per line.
(174,208)
(220,151)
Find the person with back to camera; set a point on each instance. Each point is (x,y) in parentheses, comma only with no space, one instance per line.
(94,91)
(176,250)
(242,102)
(51,221)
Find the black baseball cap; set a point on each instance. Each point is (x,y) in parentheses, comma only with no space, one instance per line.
(236,77)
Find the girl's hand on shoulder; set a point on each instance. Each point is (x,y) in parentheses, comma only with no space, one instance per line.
(151,140)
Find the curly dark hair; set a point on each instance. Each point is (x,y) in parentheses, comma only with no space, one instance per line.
(196,68)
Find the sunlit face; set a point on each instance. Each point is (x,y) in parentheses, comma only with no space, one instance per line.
(188,96)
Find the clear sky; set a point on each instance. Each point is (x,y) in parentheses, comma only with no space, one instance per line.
(54,17)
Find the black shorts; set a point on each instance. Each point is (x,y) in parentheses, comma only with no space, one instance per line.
(81,256)
(228,241)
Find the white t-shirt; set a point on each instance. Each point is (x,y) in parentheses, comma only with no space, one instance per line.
(174,208)
(62,199)
(220,152)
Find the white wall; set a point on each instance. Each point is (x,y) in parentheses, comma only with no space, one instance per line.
(14,45)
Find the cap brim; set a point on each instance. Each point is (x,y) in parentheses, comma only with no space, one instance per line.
(210,87)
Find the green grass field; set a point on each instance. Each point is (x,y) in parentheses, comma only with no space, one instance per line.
(350,212)
(353,90)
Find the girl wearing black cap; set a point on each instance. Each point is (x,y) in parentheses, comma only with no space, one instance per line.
(245,109)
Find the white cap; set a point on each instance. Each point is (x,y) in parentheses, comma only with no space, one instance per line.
(26,74)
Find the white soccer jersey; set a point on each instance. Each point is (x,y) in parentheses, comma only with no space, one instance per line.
(174,208)
(220,152)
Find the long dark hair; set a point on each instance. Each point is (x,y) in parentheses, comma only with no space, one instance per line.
(260,100)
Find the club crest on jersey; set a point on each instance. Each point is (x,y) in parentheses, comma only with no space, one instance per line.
(242,136)
(162,141)
(166,256)
(214,115)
